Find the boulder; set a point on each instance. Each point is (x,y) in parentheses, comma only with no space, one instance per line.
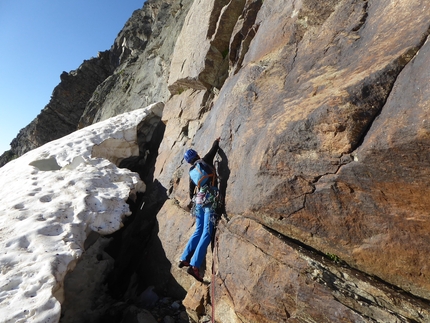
(196,301)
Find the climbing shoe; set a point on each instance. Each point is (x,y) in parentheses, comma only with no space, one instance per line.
(194,271)
(183,263)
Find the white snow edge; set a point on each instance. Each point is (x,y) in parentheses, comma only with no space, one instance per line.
(53,197)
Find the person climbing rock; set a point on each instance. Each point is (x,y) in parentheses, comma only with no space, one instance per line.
(203,195)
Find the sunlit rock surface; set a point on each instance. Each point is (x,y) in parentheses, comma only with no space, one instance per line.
(53,197)
(324,134)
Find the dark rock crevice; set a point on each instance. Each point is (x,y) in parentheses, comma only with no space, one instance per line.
(243,33)
(138,240)
(210,68)
(214,17)
(139,273)
(382,85)
(365,14)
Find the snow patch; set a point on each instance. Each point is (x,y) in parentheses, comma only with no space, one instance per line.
(115,150)
(53,198)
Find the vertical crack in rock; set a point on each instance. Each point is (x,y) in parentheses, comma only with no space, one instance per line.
(293,61)
(381,85)
(214,16)
(370,107)
(364,16)
(242,35)
(227,290)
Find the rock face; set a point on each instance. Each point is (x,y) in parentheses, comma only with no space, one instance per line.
(322,110)
(328,111)
(304,286)
(144,48)
(206,32)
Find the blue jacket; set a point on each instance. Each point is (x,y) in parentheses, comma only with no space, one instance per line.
(208,159)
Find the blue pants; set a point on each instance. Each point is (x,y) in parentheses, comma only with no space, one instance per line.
(199,241)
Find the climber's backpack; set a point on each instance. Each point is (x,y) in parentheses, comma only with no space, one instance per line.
(206,192)
(202,173)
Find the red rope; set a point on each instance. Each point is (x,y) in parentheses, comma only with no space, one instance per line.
(215,242)
(214,255)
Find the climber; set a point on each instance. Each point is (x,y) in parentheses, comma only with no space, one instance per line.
(203,194)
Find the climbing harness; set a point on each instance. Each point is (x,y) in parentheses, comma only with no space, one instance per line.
(206,191)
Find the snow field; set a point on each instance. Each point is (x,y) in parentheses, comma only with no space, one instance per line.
(52,198)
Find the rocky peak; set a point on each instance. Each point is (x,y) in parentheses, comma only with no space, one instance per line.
(141,78)
(69,98)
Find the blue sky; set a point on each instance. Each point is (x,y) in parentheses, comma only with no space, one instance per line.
(41,39)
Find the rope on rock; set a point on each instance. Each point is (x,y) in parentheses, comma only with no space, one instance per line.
(215,241)
(214,257)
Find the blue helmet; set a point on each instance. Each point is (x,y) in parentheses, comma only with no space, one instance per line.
(190,156)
